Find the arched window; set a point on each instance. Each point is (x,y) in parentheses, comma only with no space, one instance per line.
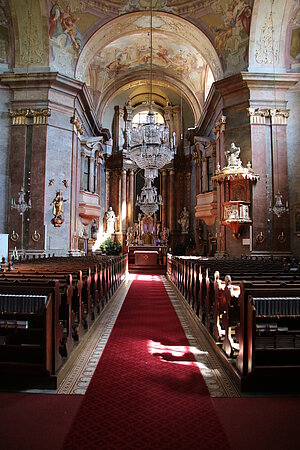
(141,117)
(209,80)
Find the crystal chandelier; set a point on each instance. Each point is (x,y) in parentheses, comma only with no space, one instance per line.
(21,206)
(279,208)
(149,201)
(151,146)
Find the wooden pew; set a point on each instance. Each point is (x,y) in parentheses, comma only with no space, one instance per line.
(256,364)
(30,330)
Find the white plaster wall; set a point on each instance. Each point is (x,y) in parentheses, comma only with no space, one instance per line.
(293,151)
(58,167)
(4,156)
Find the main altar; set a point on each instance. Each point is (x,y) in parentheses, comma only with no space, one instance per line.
(147,244)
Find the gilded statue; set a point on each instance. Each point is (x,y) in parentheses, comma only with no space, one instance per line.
(58,209)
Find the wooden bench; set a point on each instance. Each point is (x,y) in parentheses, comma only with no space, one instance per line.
(30,330)
(261,353)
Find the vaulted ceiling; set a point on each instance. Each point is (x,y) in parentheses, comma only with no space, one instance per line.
(106,43)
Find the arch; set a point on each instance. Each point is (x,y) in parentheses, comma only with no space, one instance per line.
(140,78)
(31,37)
(118,54)
(137,22)
(269,35)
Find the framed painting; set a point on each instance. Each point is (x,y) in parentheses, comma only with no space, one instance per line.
(297,218)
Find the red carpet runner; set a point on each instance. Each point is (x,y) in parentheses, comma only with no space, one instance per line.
(147,391)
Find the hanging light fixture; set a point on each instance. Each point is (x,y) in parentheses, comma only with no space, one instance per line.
(151,146)
(279,208)
(21,205)
(149,200)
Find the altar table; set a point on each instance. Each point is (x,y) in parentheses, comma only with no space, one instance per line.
(146,257)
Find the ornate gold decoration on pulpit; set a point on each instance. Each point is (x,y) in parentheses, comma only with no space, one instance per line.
(237,180)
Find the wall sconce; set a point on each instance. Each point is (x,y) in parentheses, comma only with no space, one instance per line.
(35,236)
(279,208)
(281,238)
(260,238)
(14,236)
(21,206)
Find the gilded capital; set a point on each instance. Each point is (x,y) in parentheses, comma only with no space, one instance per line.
(35,116)
(78,127)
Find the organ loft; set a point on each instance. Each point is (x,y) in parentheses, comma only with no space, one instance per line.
(157,138)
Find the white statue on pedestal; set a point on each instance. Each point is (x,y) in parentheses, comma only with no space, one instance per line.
(184,221)
(110,220)
(233,156)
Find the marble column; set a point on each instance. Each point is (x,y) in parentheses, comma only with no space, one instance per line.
(107,199)
(281,229)
(172,199)
(82,171)
(164,219)
(91,174)
(219,158)
(260,211)
(187,189)
(123,200)
(131,199)
(116,126)
(204,175)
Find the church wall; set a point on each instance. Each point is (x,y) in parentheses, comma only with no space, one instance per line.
(4,156)
(293,146)
(58,167)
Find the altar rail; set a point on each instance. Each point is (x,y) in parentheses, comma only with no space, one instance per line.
(36,339)
(238,310)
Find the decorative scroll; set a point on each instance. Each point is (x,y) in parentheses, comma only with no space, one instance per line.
(267,52)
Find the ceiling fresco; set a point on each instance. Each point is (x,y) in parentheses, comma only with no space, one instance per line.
(226,23)
(132,52)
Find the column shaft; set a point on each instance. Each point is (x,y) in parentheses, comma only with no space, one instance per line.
(172,200)
(123,200)
(107,199)
(164,219)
